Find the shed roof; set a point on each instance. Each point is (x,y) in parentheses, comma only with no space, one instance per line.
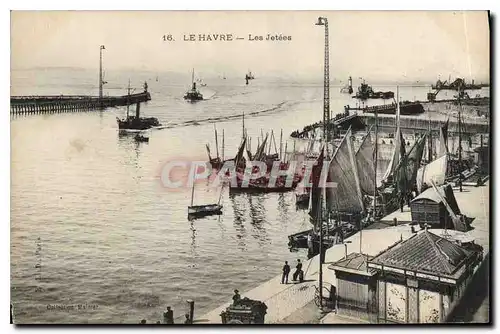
(354,263)
(446,193)
(425,252)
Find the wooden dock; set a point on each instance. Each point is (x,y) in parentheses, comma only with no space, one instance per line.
(21,105)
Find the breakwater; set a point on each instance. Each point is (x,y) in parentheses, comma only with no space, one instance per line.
(20,105)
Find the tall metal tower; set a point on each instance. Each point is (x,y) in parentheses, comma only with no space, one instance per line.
(101,81)
(323,21)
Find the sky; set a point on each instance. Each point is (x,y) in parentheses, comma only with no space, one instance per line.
(378,45)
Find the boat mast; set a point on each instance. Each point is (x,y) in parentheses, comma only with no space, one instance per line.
(192,193)
(460,137)
(375,161)
(216,142)
(286,145)
(243,126)
(223,145)
(281,144)
(128,98)
(274,142)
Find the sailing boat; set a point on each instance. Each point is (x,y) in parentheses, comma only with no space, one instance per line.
(198,211)
(193,94)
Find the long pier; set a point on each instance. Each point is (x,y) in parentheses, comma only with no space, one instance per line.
(51,104)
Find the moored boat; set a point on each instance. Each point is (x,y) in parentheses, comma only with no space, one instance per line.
(136,122)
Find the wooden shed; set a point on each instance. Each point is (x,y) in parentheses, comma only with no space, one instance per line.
(428,208)
(483,159)
(356,287)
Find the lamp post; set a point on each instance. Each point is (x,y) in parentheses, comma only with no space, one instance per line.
(101,81)
(323,21)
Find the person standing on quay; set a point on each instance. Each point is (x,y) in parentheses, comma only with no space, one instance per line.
(298,269)
(286,271)
(169,316)
(236,297)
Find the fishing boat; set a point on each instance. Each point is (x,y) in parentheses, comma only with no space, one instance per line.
(250,76)
(446,167)
(263,184)
(141,139)
(302,199)
(136,122)
(199,211)
(366,92)
(193,94)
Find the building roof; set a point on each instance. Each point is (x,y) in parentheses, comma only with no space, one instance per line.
(354,263)
(425,252)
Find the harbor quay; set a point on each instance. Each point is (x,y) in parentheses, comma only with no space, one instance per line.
(288,301)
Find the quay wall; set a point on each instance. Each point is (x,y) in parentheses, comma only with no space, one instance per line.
(421,124)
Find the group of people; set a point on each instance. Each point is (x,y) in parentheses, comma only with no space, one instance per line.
(168,317)
(298,273)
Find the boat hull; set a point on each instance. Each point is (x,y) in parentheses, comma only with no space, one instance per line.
(132,123)
(198,211)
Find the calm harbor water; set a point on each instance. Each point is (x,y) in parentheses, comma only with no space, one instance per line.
(92,225)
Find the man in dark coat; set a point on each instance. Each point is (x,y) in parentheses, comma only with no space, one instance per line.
(169,316)
(298,269)
(286,271)
(236,297)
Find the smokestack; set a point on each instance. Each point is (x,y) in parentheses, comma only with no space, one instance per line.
(138,110)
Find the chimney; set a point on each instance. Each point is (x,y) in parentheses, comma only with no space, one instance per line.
(138,110)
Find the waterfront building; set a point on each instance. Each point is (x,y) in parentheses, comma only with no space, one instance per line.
(421,279)
(356,287)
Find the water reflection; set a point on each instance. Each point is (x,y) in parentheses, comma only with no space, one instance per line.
(283,207)
(129,144)
(258,218)
(239,219)
(193,240)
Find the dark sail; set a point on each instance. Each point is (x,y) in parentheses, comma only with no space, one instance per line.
(443,139)
(241,150)
(259,154)
(408,168)
(366,169)
(345,197)
(398,154)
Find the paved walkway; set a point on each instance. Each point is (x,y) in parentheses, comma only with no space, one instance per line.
(284,300)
